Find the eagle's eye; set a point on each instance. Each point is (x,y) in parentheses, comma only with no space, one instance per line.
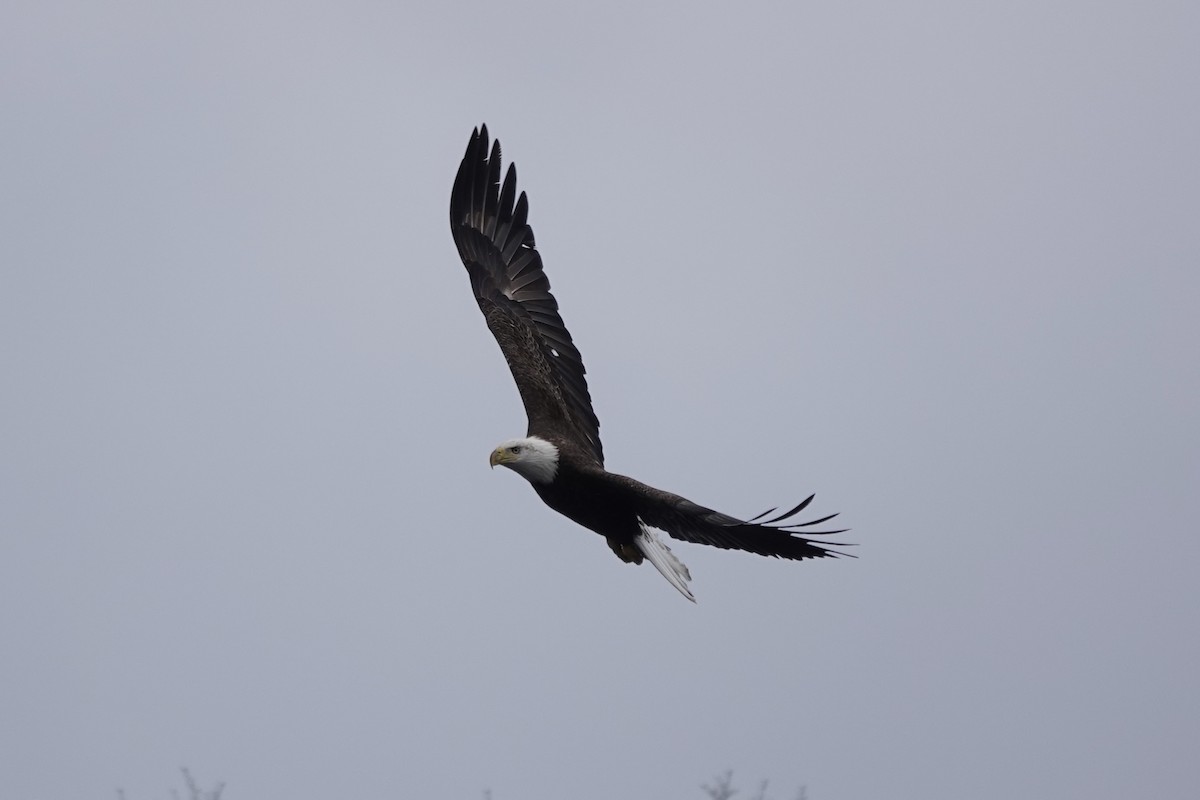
(515,449)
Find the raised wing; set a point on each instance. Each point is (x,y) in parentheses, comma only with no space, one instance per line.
(765,535)
(496,245)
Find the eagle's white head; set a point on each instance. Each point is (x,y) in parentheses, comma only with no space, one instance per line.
(533,458)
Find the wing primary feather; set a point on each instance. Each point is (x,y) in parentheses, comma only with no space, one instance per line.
(504,228)
(760,516)
(810,524)
(490,196)
(803,505)
(478,155)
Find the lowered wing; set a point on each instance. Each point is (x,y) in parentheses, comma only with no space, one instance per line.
(765,535)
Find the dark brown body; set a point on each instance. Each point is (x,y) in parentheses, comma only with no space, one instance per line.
(599,501)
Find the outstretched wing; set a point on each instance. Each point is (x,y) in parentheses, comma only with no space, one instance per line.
(496,245)
(766,535)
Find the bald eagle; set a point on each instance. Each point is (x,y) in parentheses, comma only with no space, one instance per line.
(561,455)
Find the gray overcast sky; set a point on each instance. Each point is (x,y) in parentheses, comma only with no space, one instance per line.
(936,261)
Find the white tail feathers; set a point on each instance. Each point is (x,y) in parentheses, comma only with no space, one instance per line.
(664,560)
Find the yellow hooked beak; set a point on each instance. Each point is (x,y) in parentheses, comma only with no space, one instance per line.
(499,456)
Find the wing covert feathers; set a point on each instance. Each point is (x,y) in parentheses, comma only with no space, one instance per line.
(489,221)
